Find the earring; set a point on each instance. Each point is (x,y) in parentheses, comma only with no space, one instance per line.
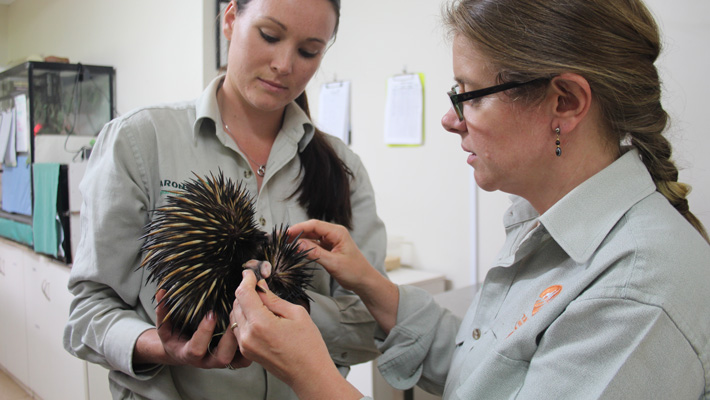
(558,150)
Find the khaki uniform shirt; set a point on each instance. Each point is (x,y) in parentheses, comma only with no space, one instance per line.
(605,296)
(137,159)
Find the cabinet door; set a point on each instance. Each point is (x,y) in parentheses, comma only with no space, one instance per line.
(54,373)
(13,333)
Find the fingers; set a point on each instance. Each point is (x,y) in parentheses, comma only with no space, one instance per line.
(236,318)
(165,327)
(265,269)
(194,351)
(239,361)
(260,268)
(275,304)
(252,307)
(326,235)
(246,297)
(203,335)
(200,338)
(311,229)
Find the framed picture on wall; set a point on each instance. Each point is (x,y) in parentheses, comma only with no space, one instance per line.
(222,42)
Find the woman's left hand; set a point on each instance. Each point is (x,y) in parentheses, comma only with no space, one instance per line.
(282,338)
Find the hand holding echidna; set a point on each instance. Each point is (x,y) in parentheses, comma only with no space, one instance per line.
(201,350)
(197,244)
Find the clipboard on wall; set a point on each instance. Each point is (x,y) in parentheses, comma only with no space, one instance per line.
(404,110)
(334,109)
(222,42)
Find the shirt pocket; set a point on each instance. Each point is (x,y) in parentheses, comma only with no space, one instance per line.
(483,371)
(498,377)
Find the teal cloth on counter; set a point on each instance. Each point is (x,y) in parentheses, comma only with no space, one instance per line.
(16,231)
(45,220)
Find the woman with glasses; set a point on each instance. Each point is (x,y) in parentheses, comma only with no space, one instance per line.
(601,289)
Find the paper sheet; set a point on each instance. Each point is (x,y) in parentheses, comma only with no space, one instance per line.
(22,123)
(334,110)
(11,153)
(7,138)
(4,131)
(404,110)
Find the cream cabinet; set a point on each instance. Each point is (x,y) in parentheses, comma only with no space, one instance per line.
(35,301)
(13,325)
(50,366)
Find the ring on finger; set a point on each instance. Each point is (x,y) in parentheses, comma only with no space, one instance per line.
(234,325)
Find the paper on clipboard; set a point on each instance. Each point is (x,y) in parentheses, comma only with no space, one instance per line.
(334,110)
(404,110)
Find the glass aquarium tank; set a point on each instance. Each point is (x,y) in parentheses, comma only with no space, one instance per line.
(50,114)
(62,99)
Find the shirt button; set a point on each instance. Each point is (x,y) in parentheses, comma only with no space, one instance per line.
(247,174)
(476,334)
(262,221)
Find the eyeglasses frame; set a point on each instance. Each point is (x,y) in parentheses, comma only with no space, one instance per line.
(458,98)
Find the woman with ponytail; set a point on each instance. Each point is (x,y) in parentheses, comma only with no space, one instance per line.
(601,289)
(253,125)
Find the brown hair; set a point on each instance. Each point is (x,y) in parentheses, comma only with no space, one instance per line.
(325,187)
(611,43)
(241,5)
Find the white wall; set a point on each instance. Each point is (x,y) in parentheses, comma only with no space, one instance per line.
(155,46)
(3,35)
(422,192)
(163,51)
(685,70)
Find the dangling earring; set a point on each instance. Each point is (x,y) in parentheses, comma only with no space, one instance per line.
(558,150)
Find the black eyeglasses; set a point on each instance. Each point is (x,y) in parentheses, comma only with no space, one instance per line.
(458,98)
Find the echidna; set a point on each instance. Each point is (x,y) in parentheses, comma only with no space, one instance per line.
(195,247)
(290,272)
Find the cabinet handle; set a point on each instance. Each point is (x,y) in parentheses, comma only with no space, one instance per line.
(45,290)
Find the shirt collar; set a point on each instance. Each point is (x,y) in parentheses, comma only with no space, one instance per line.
(207,109)
(297,127)
(581,220)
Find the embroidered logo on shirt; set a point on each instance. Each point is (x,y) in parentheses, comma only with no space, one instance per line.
(545,297)
(168,187)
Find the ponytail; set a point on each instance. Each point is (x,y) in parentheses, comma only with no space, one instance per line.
(325,188)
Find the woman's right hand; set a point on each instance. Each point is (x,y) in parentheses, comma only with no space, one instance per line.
(335,250)
(165,346)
